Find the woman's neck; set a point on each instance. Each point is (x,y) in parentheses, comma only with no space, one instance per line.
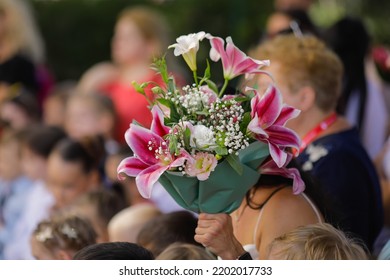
(310,120)
(134,72)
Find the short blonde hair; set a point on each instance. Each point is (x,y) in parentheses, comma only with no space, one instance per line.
(306,61)
(183,251)
(151,24)
(319,241)
(21,32)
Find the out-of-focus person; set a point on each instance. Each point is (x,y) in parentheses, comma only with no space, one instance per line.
(140,35)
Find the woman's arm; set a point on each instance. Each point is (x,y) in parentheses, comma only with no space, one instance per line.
(215,232)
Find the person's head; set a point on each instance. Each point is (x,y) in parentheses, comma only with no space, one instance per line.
(98,207)
(114,251)
(37,145)
(163,230)
(126,225)
(140,35)
(128,186)
(89,115)
(72,169)
(309,77)
(316,242)
(61,237)
(18,30)
(293,4)
(10,155)
(55,104)
(182,251)
(289,21)
(20,109)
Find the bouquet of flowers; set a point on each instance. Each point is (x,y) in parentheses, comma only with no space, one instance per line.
(206,148)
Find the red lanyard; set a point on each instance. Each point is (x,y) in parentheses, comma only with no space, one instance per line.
(312,134)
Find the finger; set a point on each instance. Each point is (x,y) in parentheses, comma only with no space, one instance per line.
(206,223)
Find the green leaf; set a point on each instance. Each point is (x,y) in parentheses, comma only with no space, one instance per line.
(207,71)
(235,163)
(246,118)
(171,85)
(212,86)
(222,151)
(172,144)
(160,65)
(174,115)
(187,137)
(139,87)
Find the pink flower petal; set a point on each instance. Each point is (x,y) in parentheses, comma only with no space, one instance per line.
(255,126)
(283,136)
(286,114)
(278,155)
(131,166)
(138,138)
(269,107)
(270,168)
(147,178)
(158,126)
(217,49)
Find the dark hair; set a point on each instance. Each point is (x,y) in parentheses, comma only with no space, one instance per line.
(25,101)
(114,251)
(161,231)
(350,40)
(42,139)
(88,151)
(107,203)
(19,69)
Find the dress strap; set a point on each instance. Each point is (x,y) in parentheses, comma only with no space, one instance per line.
(313,207)
(261,206)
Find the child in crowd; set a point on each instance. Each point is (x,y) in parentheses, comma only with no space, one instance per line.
(55,104)
(19,110)
(91,115)
(126,225)
(182,251)
(73,169)
(316,242)
(61,237)
(36,147)
(98,206)
(14,186)
(163,230)
(114,251)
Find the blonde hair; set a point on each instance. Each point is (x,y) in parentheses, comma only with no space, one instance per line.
(319,241)
(21,32)
(151,24)
(305,61)
(66,232)
(183,251)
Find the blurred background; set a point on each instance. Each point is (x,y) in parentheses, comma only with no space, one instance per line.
(77,33)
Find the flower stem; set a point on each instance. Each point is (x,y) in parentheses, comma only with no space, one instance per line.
(195,77)
(223,88)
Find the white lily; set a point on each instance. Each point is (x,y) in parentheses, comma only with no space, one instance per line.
(188,46)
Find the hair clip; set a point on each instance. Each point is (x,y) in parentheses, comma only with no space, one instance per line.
(69,231)
(296,29)
(44,235)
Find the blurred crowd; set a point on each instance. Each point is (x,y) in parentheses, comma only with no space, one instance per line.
(61,143)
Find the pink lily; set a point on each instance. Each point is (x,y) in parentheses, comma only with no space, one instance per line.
(151,154)
(269,115)
(234,61)
(270,168)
